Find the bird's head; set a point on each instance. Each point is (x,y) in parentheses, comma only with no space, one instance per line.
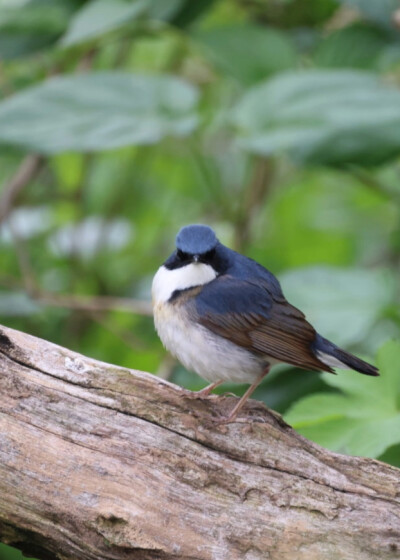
(197,260)
(194,244)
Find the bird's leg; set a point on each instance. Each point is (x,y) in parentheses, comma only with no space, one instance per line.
(206,391)
(232,416)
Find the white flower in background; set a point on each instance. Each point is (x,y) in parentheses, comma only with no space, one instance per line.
(26,222)
(91,236)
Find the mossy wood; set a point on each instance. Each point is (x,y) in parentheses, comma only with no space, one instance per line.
(98,462)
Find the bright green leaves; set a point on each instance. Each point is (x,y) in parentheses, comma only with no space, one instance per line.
(249,53)
(321,117)
(364,419)
(102,16)
(342,304)
(98,111)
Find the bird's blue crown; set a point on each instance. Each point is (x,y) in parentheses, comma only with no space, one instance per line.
(196,239)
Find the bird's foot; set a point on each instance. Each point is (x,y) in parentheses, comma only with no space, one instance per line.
(222,419)
(227,419)
(203,393)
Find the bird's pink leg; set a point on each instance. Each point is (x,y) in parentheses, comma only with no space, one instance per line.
(232,416)
(206,391)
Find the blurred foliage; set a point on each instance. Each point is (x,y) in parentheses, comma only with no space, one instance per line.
(363,418)
(277,122)
(98,111)
(332,117)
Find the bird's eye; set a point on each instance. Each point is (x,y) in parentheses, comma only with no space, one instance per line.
(181,255)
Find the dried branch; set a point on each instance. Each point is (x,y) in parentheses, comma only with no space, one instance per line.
(103,463)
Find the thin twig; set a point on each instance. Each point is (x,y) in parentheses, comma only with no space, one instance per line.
(396,18)
(28,169)
(254,197)
(24,262)
(79,302)
(86,62)
(96,303)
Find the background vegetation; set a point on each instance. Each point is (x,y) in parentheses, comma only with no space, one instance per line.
(277,122)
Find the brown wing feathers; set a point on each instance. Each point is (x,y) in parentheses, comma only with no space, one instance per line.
(287,338)
(284,335)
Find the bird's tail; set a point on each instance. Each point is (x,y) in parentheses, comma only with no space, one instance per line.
(333,356)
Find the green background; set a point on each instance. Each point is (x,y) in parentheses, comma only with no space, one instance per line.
(277,122)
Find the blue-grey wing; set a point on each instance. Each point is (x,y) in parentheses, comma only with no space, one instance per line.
(250,314)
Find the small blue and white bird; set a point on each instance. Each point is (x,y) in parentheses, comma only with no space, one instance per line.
(225,317)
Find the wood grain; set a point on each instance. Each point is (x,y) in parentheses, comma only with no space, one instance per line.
(99,462)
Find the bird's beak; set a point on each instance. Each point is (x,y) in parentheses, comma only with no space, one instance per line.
(196,258)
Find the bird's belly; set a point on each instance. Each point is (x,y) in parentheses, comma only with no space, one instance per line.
(212,357)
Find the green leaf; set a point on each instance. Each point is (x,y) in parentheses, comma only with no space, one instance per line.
(249,53)
(392,455)
(26,27)
(98,111)
(101,16)
(356,46)
(364,419)
(316,409)
(380,11)
(188,13)
(35,16)
(342,304)
(9,553)
(290,14)
(322,117)
(14,45)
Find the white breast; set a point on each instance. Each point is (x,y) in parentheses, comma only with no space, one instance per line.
(200,350)
(211,356)
(166,281)
(196,347)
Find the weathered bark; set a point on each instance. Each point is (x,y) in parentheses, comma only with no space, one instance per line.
(99,462)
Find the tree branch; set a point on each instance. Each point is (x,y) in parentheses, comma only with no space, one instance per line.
(94,303)
(99,462)
(26,172)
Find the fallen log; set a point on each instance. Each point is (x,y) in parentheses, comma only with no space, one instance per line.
(98,462)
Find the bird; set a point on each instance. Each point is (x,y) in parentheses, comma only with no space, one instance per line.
(224,316)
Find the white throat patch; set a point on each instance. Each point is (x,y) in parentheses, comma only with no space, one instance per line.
(166,281)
